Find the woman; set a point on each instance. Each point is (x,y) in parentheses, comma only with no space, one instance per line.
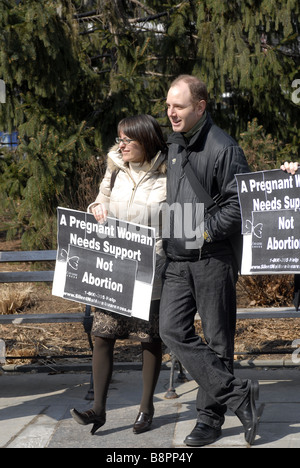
(133,189)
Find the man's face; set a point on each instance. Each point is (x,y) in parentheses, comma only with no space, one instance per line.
(183,112)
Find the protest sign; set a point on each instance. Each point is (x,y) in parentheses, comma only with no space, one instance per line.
(270,209)
(109,266)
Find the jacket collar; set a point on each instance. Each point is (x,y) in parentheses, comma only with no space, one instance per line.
(158,163)
(193,143)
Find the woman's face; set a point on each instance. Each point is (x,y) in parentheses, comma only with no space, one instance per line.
(131,152)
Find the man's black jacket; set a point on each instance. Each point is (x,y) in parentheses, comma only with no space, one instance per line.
(215,158)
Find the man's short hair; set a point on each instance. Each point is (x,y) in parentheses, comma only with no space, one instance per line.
(197,87)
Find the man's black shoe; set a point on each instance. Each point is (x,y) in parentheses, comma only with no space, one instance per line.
(247,413)
(201,435)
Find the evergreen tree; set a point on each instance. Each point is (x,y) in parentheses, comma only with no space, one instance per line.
(74,68)
(251,49)
(247,53)
(40,64)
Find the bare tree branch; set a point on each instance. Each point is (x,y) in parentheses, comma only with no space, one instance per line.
(144,7)
(95,15)
(158,15)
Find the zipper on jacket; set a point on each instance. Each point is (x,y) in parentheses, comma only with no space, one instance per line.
(135,185)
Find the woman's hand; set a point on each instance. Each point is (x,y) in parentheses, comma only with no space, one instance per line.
(100,213)
(291,168)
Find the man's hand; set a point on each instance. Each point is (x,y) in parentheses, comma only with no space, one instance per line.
(291,168)
(100,213)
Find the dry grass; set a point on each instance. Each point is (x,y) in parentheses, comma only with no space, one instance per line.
(45,339)
(266,290)
(15,298)
(264,336)
(68,339)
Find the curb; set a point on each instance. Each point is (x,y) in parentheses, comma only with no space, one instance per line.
(137,366)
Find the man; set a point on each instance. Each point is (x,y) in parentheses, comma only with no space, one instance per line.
(204,280)
(291,168)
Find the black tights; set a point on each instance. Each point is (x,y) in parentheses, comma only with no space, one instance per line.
(103,368)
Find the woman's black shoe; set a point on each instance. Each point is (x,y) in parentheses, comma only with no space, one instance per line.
(89,417)
(143,422)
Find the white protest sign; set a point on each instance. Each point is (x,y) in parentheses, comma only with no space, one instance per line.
(270,209)
(110,266)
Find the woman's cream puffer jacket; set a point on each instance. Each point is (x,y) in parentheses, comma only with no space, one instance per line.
(139,202)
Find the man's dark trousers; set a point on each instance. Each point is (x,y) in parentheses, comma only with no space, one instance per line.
(208,286)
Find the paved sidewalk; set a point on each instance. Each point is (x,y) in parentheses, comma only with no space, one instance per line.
(35,412)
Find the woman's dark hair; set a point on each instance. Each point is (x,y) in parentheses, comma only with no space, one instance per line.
(146,130)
